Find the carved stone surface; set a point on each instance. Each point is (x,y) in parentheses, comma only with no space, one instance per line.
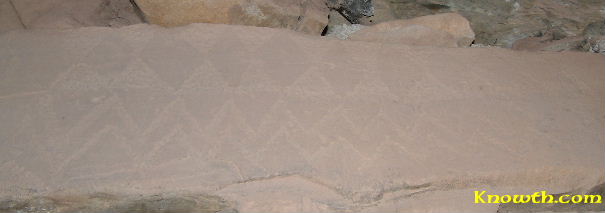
(277,121)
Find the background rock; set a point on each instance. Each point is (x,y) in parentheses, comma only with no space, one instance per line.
(382,12)
(309,16)
(352,10)
(9,20)
(336,19)
(443,30)
(503,22)
(549,43)
(343,31)
(106,203)
(61,14)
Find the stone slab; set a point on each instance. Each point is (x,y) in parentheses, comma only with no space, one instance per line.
(299,122)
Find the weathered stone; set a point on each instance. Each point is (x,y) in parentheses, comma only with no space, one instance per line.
(343,31)
(595,29)
(10,205)
(40,205)
(62,14)
(274,120)
(9,19)
(443,30)
(382,12)
(335,19)
(107,203)
(166,204)
(309,16)
(352,10)
(416,35)
(502,23)
(594,44)
(549,43)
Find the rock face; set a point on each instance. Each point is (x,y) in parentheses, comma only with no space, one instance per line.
(352,10)
(276,121)
(502,23)
(442,30)
(63,14)
(547,43)
(343,31)
(9,20)
(596,45)
(383,11)
(104,203)
(309,16)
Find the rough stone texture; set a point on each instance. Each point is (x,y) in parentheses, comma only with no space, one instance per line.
(352,10)
(594,35)
(596,45)
(309,16)
(442,30)
(501,23)
(62,14)
(343,31)
(546,43)
(336,19)
(107,203)
(595,29)
(9,20)
(383,11)
(277,121)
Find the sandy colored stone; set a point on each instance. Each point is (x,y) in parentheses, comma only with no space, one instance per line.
(309,16)
(9,19)
(277,121)
(67,14)
(442,30)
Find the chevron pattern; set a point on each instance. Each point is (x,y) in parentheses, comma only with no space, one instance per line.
(212,107)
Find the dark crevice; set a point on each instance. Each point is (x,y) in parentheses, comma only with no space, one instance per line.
(138,11)
(435,7)
(18,15)
(324,32)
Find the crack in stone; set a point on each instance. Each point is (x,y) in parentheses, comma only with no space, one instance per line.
(364,201)
(18,14)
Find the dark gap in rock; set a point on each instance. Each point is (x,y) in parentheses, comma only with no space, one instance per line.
(353,19)
(138,11)
(324,32)
(435,7)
